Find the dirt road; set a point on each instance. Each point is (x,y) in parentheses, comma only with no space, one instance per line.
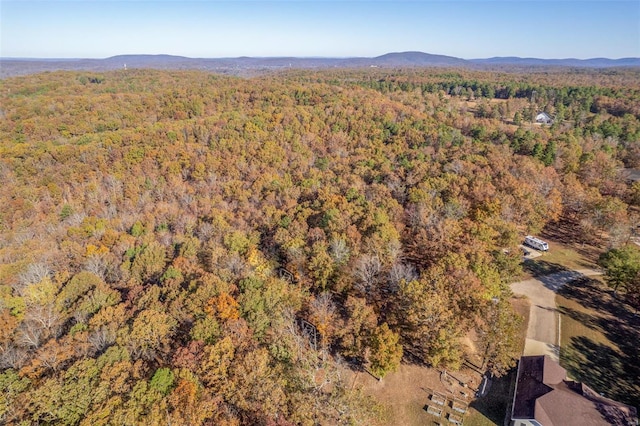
(542,333)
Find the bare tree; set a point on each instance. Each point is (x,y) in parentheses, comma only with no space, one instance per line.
(101,339)
(236,265)
(323,311)
(40,323)
(76,219)
(12,357)
(52,355)
(619,234)
(34,273)
(205,231)
(45,317)
(367,269)
(401,272)
(315,365)
(97,265)
(30,334)
(339,250)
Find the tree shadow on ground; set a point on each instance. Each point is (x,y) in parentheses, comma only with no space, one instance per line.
(592,294)
(587,320)
(616,318)
(603,369)
(495,403)
(611,370)
(556,281)
(570,234)
(540,268)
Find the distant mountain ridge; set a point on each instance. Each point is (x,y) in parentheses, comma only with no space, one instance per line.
(21,66)
(418,59)
(568,62)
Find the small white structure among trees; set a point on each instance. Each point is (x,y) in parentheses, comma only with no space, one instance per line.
(543,118)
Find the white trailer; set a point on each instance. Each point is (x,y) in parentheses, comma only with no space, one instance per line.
(536,243)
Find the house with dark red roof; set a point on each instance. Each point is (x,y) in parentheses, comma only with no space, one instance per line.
(544,397)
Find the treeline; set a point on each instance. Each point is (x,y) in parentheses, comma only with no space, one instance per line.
(185,248)
(567,96)
(560,88)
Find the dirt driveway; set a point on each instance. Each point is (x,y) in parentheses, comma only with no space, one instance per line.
(543,331)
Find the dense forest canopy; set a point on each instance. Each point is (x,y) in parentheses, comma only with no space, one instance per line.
(188,248)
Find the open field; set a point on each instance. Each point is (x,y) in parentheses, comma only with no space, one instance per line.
(540,267)
(521,306)
(599,338)
(567,257)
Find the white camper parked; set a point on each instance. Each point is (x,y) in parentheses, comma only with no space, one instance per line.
(536,243)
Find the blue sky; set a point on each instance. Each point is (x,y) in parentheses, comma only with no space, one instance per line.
(467,29)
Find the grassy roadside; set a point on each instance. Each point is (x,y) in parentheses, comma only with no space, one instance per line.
(599,337)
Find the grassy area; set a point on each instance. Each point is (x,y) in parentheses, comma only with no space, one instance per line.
(491,409)
(579,321)
(415,414)
(566,249)
(522,307)
(477,418)
(560,257)
(406,394)
(599,338)
(567,256)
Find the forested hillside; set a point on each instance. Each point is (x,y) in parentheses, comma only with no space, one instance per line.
(170,241)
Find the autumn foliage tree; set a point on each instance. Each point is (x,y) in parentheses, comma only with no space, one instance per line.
(165,234)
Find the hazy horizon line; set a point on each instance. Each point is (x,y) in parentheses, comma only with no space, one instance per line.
(53,58)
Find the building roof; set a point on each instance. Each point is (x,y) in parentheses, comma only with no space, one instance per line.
(543,117)
(543,394)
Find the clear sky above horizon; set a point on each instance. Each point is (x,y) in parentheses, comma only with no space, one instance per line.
(466,29)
